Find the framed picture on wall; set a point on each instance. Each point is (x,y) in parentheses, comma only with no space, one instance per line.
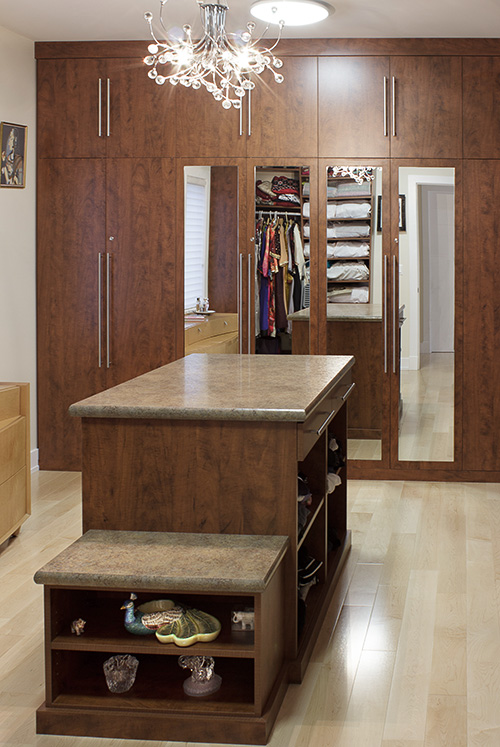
(402,213)
(13,164)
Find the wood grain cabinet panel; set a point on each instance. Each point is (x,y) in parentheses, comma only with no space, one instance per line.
(92,107)
(481,405)
(140,217)
(142,113)
(68,108)
(481,107)
(284,115)
(71,233)
(426,107)
(204,128)
(353,107)
(106,286)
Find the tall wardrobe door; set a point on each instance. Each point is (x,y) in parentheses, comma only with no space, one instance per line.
(481,406)
(70,236)
(140,266)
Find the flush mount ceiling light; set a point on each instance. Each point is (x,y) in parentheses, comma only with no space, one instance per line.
(291,12)
(222,65)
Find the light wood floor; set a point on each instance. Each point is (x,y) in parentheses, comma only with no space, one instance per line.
(426,425)
(414,660)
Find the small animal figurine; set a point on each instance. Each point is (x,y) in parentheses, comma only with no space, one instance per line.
(77,626)
(147,618)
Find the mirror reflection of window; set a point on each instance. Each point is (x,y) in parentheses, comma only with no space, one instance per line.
(196,235)
(427,318)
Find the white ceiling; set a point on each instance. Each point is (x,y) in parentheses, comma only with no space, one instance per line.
(91,20)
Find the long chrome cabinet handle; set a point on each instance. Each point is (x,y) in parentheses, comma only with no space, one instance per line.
(330,417)
(386,129)
(249,347)
(108,256)
(394,320)
(249,113)
(108,108)
(393,106)
(240,304)
(385,313)
(241,118)
(99,314)
(99,108)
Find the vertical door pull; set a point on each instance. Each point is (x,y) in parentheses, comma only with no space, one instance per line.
(249,93)
(108,109)
(386,129)
(99,109)
(108,256)
(241,117)
(395,319)
(99,314)
(249,302)
(385,313)
(393,106)
(240,304)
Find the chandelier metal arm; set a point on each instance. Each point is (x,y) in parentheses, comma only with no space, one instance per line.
(222,66)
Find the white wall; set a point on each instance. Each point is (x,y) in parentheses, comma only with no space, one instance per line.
(17,224)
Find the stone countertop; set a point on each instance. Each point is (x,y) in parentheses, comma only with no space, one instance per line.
(223,387)
(165,561)
(345,312)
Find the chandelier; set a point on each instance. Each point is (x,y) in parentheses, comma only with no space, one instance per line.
(360,174)
(221,65)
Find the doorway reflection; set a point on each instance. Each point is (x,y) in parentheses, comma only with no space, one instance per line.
(426,292)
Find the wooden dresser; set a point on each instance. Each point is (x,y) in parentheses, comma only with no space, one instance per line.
(15,485)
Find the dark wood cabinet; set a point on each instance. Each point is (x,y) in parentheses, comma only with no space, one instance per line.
(426,107)
(94,107)
(481,320)
(69,108)
(140,218)
(71,233)
(104,305)
(204,128)
(353,113)
(481,107)
(283,116)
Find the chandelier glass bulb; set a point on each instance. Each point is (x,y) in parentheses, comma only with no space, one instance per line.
(222,65)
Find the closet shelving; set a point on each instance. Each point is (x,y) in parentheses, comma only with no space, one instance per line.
(348,223)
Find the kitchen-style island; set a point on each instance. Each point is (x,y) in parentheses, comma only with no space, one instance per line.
(214,444)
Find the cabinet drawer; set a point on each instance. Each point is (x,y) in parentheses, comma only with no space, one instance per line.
(12,504)
(212,327)
(322,415)
(12,447)
(10,404)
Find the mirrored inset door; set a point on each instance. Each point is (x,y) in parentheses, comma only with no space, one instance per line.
(427,334)
(213,277)
(354,295)
(284,217)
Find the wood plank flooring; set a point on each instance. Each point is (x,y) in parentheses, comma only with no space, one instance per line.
(414,660)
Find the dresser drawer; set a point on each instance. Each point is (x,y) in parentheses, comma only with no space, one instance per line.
(322,415)
(13,504)
(12,446)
